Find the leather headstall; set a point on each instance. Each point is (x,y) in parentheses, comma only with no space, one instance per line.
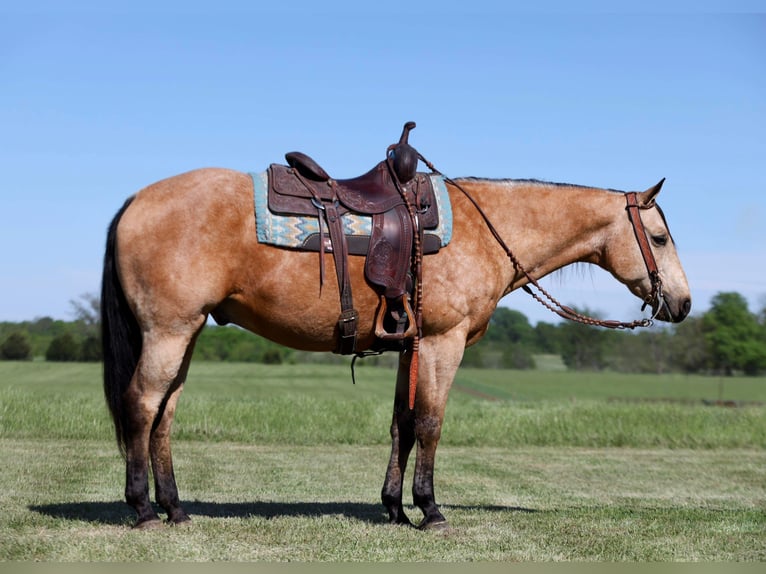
(634,214)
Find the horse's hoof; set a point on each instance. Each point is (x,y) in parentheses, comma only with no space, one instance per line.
(436,526)
(151,524)
(180,522)
(398,518)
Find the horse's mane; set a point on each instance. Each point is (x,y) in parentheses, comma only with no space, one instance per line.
(532,181)
(512,180)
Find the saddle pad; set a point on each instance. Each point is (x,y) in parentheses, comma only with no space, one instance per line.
(294,231)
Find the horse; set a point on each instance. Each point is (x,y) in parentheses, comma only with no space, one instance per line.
(185,248)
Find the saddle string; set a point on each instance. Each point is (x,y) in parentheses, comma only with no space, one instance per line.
(317,202)
(549,301)
(417,267)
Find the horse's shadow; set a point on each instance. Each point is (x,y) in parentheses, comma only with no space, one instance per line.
(119,513)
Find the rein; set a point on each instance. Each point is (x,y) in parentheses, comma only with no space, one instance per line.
(551,303)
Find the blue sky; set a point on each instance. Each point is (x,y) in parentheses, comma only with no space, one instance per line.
(96,103)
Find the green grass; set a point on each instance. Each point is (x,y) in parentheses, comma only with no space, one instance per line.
(60,502)
(280,463)
(318,404)
(557,386)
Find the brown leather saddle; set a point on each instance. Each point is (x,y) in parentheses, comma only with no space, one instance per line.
(402,205)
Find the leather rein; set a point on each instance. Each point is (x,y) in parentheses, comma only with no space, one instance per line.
(551,303)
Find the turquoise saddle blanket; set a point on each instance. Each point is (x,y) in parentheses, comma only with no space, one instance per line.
(294,231)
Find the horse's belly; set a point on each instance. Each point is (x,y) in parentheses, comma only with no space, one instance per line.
(286,301)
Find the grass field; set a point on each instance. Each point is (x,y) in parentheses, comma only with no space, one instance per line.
(279,463)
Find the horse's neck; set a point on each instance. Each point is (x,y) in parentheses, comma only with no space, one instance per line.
(548,226)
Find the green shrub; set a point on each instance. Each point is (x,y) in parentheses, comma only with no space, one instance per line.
(16,347)
(63,348)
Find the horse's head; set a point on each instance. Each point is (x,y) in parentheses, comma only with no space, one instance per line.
(631,264)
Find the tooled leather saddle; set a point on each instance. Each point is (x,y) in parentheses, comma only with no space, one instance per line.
(402,205)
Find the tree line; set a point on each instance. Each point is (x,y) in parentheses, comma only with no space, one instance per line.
(727,339)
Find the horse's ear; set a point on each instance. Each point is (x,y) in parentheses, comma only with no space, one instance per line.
(647,197)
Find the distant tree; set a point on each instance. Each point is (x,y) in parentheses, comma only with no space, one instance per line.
(16,347)
(63,348)
(582,346)
(87,314)
(734,336)
(510,326)
(688,347)
(87,309)
(272,357)
(762,318)
(473,357)
(232,343)
(645,351)
(90,349)
(517,357)
(42,325)
(547,338)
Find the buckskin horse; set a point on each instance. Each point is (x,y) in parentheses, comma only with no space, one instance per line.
(186,248)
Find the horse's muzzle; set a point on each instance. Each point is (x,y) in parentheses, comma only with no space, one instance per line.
(672,311)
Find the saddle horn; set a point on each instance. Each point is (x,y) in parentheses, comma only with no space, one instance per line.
(404,156)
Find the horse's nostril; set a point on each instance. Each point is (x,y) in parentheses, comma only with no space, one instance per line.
(686,307)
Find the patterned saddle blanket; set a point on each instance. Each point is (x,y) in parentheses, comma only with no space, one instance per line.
(303,232)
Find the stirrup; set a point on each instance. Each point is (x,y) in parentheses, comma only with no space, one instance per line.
(380,331)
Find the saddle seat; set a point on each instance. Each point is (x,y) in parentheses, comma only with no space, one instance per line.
(401,203)
(370,193)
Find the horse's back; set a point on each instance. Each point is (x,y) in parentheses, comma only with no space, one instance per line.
(201,193)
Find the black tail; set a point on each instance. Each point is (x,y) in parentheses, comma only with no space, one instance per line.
(120,334)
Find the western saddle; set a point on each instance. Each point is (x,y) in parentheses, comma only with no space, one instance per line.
(402,205)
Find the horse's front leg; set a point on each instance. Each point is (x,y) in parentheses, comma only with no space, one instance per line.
(439,360)
(402,441)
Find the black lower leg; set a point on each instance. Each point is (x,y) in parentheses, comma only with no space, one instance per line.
(423,496)
(428,430)
(403,439)
(167,497)
(137,493)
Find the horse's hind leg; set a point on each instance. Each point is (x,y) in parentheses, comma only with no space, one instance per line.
(151,400)
(166,491)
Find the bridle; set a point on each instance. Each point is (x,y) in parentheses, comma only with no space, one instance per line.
(548,301)
(634,214)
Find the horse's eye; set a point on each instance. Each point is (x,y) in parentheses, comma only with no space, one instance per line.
(660,240)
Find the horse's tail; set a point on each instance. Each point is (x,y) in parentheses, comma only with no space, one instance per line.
(120,334)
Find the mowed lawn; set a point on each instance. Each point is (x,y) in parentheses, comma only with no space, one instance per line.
(279,463)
